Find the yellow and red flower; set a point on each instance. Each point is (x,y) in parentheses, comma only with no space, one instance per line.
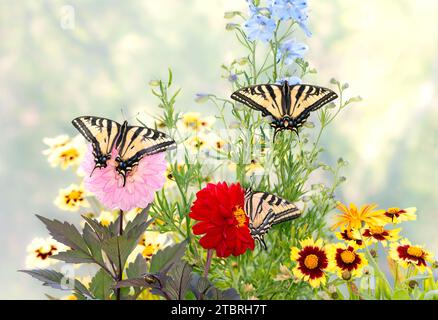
(312,262)
(406,254)
(397,215)
(352,237)
(345,259)
(353,217)
(380,234)
(222,219)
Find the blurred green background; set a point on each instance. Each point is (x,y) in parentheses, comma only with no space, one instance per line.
(53,68)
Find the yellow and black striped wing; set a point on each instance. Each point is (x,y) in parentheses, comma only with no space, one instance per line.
(137,142)
(306,98)
(100,132)
(265,210)
(267,98)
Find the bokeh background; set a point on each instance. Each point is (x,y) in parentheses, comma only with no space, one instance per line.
(53,69)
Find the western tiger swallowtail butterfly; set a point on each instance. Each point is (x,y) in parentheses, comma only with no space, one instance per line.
(288,105)
(265,210)
(132,143)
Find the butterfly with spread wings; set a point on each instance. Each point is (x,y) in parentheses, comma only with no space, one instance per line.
(265,210)
(132,143)
(288,105)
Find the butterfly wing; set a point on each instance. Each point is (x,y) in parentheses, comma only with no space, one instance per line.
(306,98)
(102,133)
(267,98)
(137,142)
(265,210)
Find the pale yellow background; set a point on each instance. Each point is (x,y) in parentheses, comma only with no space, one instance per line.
(386,50)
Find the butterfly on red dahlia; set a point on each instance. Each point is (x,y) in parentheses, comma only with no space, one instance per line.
(231,218)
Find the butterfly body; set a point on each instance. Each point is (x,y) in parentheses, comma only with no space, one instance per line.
(131,142)
(265,210)
(289,106)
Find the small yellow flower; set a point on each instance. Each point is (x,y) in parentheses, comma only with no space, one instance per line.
(397,215)
(193,121)
(69,297)
(406,254)
(106,218)
(380,234)
(345,260)
(312,262)
(353,218)
(352,237)
(40,250)
(197,142)
(152,241)
(254,168)
(65,152)
(71,198)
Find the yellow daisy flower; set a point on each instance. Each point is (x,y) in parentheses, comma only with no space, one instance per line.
(312,262)
(397,215)
(65,152)
(406,254)
(352,237)
(71,198)
(193,121)
(197,142)
(152,241)
(106,218)
(69,297)
(40,250)
(344,258)
(254,168)
(380,234)
(353,217)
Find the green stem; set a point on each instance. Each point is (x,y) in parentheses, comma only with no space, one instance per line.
(120,274)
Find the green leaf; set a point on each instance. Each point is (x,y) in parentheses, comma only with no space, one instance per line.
(93,243)
(101,285)
(177,287)
(101,231)
(137,268)
(431,295)
(73,256)
(401,295)
(56,280)
(65,233)
(163,260)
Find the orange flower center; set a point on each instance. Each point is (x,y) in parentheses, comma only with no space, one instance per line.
(311,261)
(415,251)
(348,256)
(240,216)
(377,230)
(74,196)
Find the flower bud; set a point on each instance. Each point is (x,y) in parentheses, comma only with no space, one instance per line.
(413,284)
(230,14)
(346,275)
(154,83)
(373,253)
(231,26)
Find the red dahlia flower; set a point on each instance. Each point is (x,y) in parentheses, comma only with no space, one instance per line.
(222,219)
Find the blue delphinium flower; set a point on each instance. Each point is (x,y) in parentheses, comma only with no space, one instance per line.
(232,77)
(291,9)
(290,80)
(291,50)
(260,27)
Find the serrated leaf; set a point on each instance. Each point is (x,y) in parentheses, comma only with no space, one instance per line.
(137,268)
(163,260)
(139,219)
(119,248)
(55,279)
(179,282)
(65,233)
(101,285)
(101,231)
(93,243)
(73,256)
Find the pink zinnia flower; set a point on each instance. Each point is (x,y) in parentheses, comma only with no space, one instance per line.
(141,183)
